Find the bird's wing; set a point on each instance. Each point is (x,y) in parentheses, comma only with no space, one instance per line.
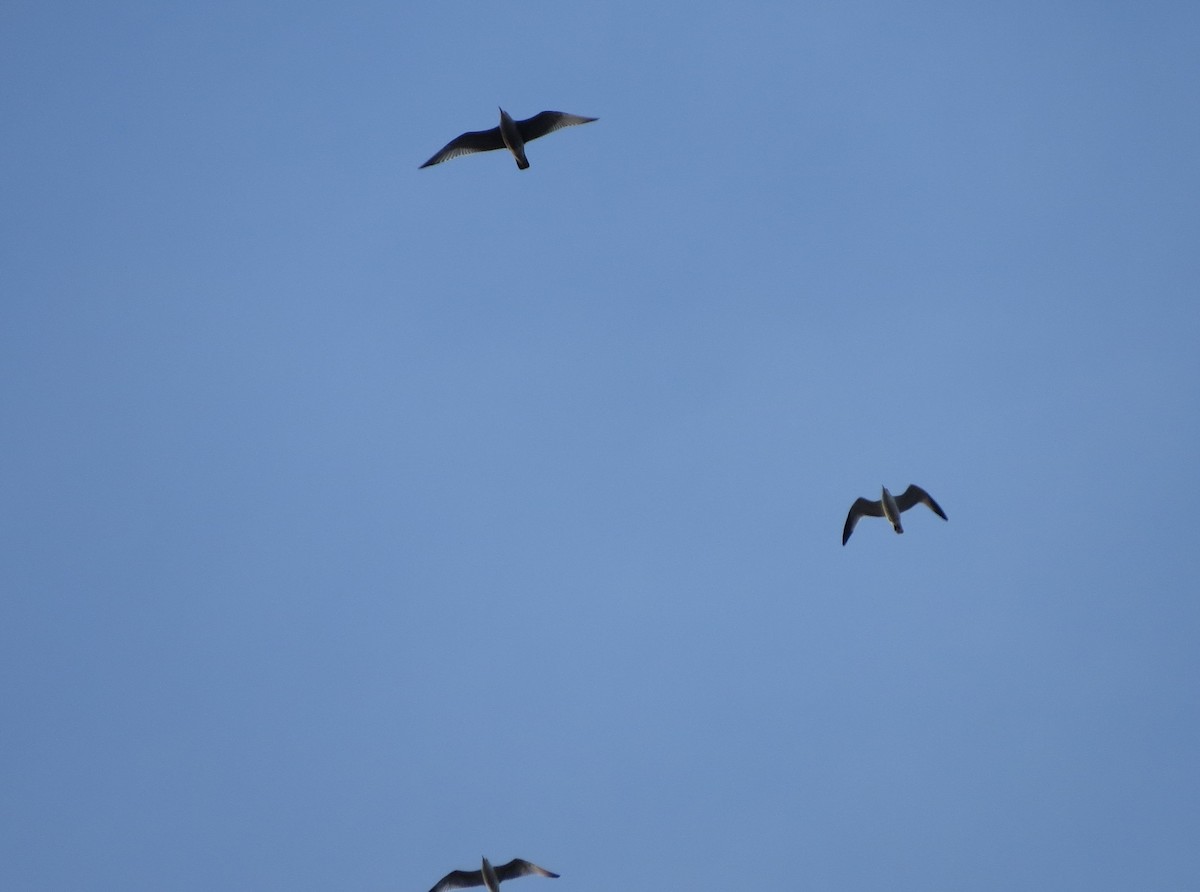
(858,509)
(459,879)
(518,868)
(548,122)
(473,141)
(915,495)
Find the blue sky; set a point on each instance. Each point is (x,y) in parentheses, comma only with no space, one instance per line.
(360,521)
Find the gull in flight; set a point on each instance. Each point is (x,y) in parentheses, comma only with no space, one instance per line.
(890,507)
(490,876)
(511,135)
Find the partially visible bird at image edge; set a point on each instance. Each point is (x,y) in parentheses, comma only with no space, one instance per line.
(489,876)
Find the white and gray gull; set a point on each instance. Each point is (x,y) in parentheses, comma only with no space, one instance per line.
(490,876)
(511,135)
(890,507)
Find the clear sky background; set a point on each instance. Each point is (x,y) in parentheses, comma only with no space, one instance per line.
(359,521)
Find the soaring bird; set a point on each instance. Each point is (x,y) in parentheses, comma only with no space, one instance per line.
(511,135)
(490,876)
(890,507)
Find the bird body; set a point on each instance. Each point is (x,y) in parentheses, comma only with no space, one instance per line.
(891,511)
(489,876)
(890,507)
(511,135)
(489,873)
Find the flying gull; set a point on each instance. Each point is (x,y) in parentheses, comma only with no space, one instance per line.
(490,876)
(890,507)
(511,135)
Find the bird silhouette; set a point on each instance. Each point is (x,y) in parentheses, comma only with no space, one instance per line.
(511,135)
(890,507)
(489,876)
